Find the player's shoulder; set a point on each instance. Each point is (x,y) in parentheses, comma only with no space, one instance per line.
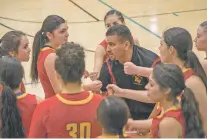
(31,97)
(46,104)
(96,97)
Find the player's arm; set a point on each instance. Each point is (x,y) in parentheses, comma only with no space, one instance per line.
(170,128)
(94,86)
(49,65)
(137,95)
(98,62)
(37,127)
(139,124)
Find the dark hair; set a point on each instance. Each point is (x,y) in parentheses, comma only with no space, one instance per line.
(70,62)
(113,114)
(122,31)
(170,76)
(181,40)
(10,42)
(11,74)
(114,12)
(204,24)
(50,23)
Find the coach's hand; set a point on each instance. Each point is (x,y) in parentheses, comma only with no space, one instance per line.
(114,89)
(130,68)
(94,76)
(94,86)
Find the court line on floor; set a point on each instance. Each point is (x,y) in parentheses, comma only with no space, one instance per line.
(130,19)
(14,29)
(38,22)
(176,12)
(84,10)
(10,28)
(85,22)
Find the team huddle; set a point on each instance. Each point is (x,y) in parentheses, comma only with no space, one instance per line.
(132,93)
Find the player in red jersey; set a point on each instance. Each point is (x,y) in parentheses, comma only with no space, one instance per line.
(176,48)
(179,118)
(17,106)
(15,43)
(71,113)
(53,34)
(201,41)
(113,114)
(112,18)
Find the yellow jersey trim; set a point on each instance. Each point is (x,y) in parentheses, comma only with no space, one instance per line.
(185,69)
(170,109)
(46,48)
(22,96)
(78,102)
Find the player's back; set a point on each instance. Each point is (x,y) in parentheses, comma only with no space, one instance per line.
(26,104)
(67,116)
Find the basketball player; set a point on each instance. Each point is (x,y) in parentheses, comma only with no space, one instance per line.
(17,107)
(112,18)
(15,43)
(71,113)
(54,32)
(179,118)
(201,41)
(176,48)
(113,114)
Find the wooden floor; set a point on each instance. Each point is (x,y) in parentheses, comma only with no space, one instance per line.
(147,19)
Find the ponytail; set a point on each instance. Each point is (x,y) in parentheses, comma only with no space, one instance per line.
(11,120)
(121,133)
(37,45)
(194,63)
(49,24)
(192,117)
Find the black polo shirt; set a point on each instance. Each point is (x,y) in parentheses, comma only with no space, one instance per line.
(140,57)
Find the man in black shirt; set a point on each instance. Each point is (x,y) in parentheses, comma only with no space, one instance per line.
(121,49)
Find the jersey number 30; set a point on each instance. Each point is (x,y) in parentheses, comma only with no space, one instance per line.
(80,130)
